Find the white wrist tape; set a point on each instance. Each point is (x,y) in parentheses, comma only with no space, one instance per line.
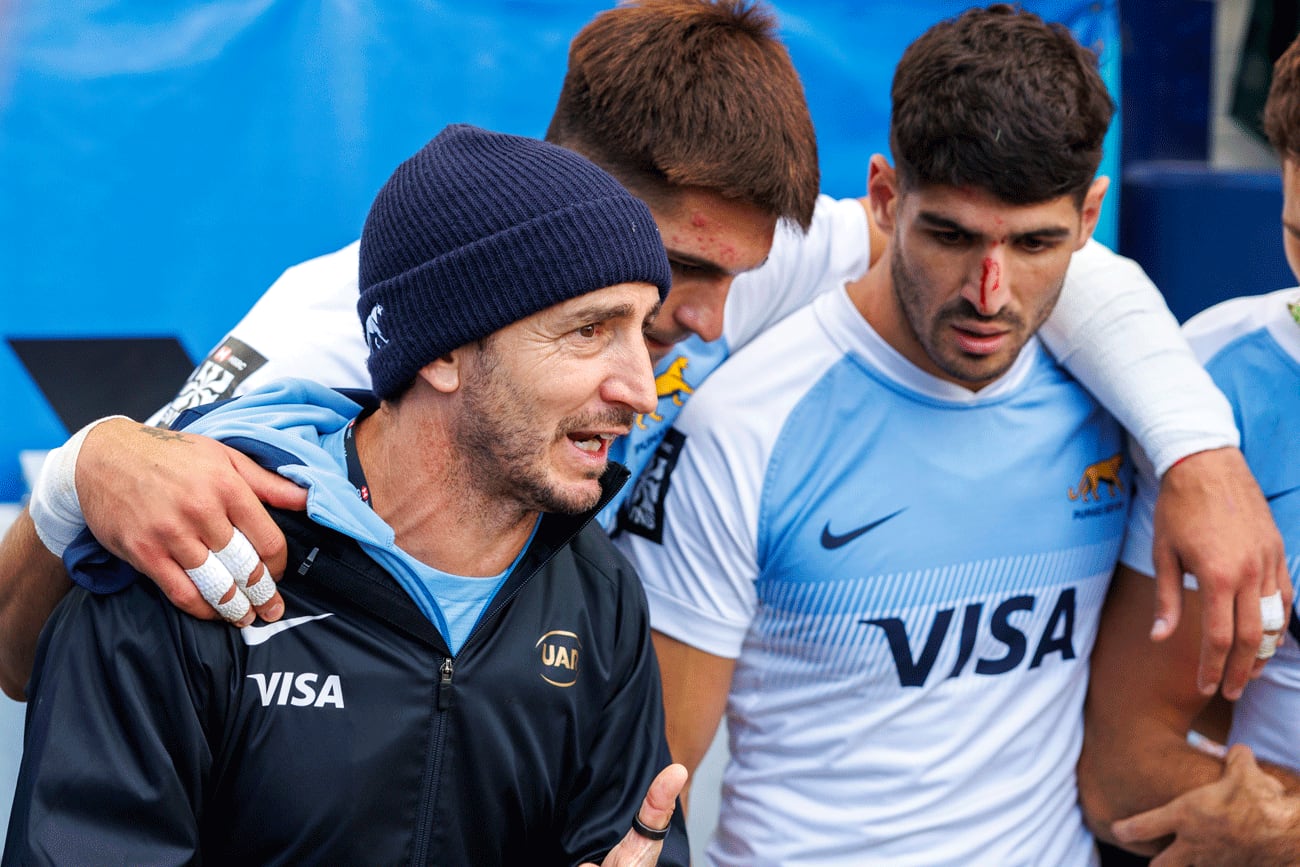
(54,506)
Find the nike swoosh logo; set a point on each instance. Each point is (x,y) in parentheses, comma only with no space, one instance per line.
(830,541)
(254,635)
(1280,494)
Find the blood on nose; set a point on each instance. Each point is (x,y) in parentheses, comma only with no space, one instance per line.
(990,280)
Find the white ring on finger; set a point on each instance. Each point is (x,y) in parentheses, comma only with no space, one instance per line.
(1268,645)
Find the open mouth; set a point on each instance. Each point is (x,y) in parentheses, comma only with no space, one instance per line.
(591,443)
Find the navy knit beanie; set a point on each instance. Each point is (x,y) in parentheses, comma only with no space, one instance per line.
(480,229)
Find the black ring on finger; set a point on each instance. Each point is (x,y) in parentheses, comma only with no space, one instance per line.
(646,831)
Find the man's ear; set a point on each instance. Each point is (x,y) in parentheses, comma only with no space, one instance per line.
(1091,210)
(444,375)
(882,193)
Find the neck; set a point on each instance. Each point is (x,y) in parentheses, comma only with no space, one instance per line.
(420,484)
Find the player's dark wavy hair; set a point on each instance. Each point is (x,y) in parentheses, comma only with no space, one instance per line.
(692,93)
(999,100)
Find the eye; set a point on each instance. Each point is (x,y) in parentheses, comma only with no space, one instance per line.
(949,238)
(684,269)
(1034,245)
(587,331)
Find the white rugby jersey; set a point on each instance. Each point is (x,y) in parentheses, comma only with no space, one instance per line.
(909,576)
(1251,347)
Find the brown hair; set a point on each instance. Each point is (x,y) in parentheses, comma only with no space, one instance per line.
(1282,108)
(692,93)
(999,100)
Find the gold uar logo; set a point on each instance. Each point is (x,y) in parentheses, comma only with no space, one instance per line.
(559,657)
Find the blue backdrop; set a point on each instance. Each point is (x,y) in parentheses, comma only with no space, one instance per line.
(162,163)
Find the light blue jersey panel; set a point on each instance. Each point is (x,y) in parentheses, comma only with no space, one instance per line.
(896,529)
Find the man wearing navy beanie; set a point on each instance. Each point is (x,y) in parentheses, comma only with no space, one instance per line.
(464,673)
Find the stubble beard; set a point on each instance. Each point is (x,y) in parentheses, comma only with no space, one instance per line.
(507,455)
(930,330)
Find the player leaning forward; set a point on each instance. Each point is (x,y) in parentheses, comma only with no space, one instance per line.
(467,676)
(876,548)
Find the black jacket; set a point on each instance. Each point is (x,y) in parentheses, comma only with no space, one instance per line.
(352,738)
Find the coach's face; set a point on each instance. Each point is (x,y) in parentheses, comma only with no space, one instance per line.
(544,397)
(973,276)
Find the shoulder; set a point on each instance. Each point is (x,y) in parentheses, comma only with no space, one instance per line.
(1095,261)
(1216,330)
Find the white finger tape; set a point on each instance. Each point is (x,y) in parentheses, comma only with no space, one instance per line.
(239,557)
(261,591)
(1270,612)
(212,578)
(1268,645)
(234,609)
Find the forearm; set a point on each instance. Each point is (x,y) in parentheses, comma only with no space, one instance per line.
(32,581)
(1129,770)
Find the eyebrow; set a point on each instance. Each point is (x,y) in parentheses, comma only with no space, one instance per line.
(704,264)
(938,221)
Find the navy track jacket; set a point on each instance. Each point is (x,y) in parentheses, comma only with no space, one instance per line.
(346,733)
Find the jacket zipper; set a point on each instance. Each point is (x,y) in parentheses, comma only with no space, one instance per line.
(433,771)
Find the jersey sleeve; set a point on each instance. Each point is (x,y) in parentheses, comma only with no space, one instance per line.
(304,326)
(1112,330)
(800,267)
(115,753)
(691,531)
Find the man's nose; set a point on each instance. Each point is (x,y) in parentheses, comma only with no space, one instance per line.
(701,312)
(988,288)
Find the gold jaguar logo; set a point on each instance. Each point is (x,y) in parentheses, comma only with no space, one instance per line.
(672,384)
(1095,475)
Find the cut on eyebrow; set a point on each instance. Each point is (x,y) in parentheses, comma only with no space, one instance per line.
(937,221)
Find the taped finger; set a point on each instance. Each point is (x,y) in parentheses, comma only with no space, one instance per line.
(1270,612)
(214,581)
(240,558)
(1268,645)
(260,592)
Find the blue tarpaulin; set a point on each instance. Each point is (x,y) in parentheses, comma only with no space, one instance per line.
(161,164)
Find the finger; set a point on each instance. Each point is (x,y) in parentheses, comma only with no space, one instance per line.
(270,487)
(1174,855)
(250,516)
(657,808)
(180,590)
(217,586)
(1245,647)
(635,849)
(1169,594)
(1148,826)
(1217,635)
(251,577)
